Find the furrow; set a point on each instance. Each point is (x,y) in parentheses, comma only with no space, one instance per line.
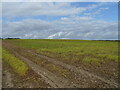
(75,69)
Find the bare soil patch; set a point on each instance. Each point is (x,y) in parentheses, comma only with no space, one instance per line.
(79,76)
(13,80)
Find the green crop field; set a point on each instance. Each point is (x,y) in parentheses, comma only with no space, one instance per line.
(61,57)
(81,50)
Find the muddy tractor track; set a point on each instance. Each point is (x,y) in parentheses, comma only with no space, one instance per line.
(57,81)
(50,78)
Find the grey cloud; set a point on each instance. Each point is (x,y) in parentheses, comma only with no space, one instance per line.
(72,27)
(86,28)
(50,9)
(34,9)
(60,1)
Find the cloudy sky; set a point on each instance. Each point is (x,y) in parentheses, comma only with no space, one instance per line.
(59,20)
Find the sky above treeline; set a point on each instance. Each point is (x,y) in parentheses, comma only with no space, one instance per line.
(60,20)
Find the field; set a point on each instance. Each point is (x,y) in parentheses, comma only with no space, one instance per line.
(43,63)
(0,64)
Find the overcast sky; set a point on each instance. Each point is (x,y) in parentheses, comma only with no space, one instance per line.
(71,20)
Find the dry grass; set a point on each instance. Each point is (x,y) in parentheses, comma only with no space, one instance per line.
(18,66)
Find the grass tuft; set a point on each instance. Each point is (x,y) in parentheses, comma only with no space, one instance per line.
(91,60)
(19,66)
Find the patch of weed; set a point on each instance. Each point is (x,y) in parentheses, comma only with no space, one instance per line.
(19,66)
(91,60)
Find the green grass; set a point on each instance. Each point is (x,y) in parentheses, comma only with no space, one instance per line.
(0,54)
(48,65)
(18,66)
(58,69)
(91,60)
(72,50)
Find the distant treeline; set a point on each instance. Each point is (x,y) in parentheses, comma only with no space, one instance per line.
(92,40)
(9,38)
(108,40)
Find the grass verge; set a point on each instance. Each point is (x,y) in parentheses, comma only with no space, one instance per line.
(18,66)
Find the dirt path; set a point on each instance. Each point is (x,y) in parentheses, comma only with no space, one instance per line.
(12,80)
(0,65)
(52,79)
(60,82)
(8,79)
(77,70)
(0,72)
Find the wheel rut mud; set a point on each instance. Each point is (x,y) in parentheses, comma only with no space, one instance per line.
(11,79)
(50,78)
(60,82)
(75,69)
(8,79)
(0,65)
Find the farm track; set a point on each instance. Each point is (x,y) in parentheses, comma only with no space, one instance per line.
(59,82)
(13,80)
(0,66)
(50,78)
(8,79)
(75,69)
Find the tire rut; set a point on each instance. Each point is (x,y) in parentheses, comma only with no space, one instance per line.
(75,69)
(55,81)
(0,72)
(50,78)
(8,79)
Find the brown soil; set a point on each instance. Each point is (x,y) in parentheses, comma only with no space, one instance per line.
(13,80)
(0,65)
(52,79)
(79,77)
